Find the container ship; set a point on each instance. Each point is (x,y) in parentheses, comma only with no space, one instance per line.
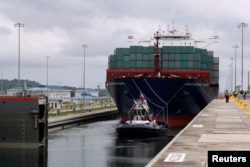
(177,78)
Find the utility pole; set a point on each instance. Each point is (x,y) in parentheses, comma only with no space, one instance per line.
(1,79)
(231,74)
(19,25)
(84,46)
(235,47)
(248,86)
(47,76)
(242,25)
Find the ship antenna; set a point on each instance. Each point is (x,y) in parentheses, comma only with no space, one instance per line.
(157,36)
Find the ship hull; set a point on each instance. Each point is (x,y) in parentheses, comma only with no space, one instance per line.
(174,100)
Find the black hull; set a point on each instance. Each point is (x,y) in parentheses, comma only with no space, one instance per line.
(174,101)
(127,130)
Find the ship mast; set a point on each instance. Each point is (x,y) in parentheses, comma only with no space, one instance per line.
(157,53)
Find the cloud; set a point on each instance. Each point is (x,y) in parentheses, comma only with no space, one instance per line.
(58,29)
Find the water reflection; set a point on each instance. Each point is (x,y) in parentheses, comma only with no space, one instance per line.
(23,157)
(135,152)
(95,144)
(98,145)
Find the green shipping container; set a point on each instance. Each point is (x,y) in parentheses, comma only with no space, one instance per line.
(197,57)
(187,49)
(119,57)
(184,57)
(119,64)
(145,64)
(184,64)
(132,64)
(209,59)
(196,65)
(164,64)
(151,64)
(119,51)
(204,52)
(139,64)
(165,50)
(210,66)
(190,49)
(126,65)
(133,49)
(171,49)
(190,57)
(151,57)
(184,49)
(164,56)
(203,59)
(125,58)
(145,50)
(132,57)
(126,51)
(203,66)
(177,57)
(190,65)
(112,58)
(171,64)
(197,50)
(145,57)
(151,49)
(138,57)
(171,57)
(112,64)
(178,49)
(139,49)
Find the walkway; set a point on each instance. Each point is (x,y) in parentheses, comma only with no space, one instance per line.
(219,126)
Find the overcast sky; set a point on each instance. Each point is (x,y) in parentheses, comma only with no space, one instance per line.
(58,29)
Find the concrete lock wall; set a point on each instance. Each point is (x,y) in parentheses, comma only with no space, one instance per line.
(23,122)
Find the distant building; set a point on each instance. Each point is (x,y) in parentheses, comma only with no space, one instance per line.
(56,94)
(92,92)
(61,98)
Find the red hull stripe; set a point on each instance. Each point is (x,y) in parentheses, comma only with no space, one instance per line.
(18,99)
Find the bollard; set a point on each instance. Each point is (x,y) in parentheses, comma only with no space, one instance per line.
(243,105)
(239,103)
(248,112)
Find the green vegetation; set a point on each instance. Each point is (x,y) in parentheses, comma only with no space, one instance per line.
(8,84)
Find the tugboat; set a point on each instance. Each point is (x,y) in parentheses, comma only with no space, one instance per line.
(141,122)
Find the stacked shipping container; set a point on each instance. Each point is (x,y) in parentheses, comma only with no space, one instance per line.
(172,57)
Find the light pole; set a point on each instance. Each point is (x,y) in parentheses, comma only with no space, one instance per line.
(232,73)
(19,25)
(248,82)
(84,46)
(235,47)
(81,74)
(1,79)
(242,25)
(47,76)
(229,80)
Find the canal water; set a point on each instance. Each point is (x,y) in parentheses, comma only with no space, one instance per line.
(98,145)
(95,144)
